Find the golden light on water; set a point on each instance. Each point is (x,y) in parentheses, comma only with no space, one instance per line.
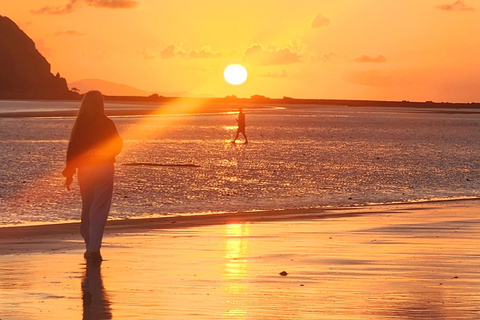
(156,122)
(236,269)
(236,248)
(235,74)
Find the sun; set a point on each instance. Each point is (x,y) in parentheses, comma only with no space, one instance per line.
(235,74)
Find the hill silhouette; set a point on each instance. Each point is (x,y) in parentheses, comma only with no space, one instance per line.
(25,73)
(107,88)
(115,89)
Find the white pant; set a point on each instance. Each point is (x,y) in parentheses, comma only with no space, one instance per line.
(96,187)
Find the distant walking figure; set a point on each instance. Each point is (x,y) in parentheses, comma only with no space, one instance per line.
(241,125)
(94,143)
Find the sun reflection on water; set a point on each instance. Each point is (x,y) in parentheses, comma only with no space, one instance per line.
(296,159)
(236,269)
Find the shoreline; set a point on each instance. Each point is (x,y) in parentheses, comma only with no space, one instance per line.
(156,108)
(296,213)
(267,100)
(19,239)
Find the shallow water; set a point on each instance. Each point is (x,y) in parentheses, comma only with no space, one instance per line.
(298,157)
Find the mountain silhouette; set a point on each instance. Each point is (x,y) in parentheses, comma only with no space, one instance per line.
(25,73)
(107,88)
(115,89)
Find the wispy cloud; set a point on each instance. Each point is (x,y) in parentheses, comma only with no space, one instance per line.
(378,59)
(459,5)
(172,51)
(257,54)
(281,74)
(320,21)
(325,57)
(113,4)
(55,10)
(146,54)
(69,33)
(70,6)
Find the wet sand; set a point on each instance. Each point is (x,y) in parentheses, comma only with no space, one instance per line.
(417,261)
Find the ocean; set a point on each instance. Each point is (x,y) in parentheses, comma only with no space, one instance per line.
(298,156)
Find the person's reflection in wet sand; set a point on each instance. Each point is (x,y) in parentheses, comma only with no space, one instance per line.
(96,305)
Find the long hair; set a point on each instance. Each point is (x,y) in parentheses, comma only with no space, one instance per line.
(91,115)
(94,137)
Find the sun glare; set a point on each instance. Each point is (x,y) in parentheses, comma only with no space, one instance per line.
(235,74)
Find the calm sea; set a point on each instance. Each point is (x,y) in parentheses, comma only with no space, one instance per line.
(298,157)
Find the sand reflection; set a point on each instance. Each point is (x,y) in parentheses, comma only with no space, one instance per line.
(96,303)
(236,270)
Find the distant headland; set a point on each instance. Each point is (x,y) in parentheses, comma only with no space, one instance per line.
(262,100)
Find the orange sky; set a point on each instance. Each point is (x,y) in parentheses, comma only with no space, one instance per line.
(354,49)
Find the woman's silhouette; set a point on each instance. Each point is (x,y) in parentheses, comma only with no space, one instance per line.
(94,143)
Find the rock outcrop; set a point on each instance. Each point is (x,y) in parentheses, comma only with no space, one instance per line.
(24,72)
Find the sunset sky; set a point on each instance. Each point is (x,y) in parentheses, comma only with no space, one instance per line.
(344,49)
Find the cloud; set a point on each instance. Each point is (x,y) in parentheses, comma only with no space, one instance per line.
(378,59)
(281,74)
(69,33)
(257,54)
(55,10)
(69,7)
(320,21)
(371,78)
(169,51)
(204,53)
(113,4)
(325,57)
(146,54)
(459,5)
(173,50)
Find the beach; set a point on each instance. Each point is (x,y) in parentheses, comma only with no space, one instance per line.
(409,261)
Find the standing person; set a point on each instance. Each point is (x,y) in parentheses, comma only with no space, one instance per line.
(241,126)
(94,143)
